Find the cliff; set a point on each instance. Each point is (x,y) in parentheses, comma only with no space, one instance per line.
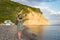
(10,9)
(35,18)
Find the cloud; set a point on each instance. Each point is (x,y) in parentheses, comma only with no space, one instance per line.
(58,12)
(33,2)
(49,10)
(52,11)
(22,1)
(43,0)
(55,22)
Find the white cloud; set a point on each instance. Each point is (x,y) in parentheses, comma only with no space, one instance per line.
(55,22)
(58,12)
(21,1)
(48,10)
(24,0)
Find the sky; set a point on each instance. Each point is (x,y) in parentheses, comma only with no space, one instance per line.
(50,8)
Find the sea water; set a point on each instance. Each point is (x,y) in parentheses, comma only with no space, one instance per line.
(45,32)
(52,32)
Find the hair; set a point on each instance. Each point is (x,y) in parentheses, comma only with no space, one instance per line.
(19,15)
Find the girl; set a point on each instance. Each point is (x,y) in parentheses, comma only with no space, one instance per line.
(19,26)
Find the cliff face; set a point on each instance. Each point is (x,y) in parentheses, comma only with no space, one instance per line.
(35,18)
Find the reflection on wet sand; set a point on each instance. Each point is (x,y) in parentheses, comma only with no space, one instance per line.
(36,30)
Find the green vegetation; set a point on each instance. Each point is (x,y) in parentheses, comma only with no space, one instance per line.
(10,9)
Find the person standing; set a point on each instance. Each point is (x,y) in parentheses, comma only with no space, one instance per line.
(19,26)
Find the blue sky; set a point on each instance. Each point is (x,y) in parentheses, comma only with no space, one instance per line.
(50,8)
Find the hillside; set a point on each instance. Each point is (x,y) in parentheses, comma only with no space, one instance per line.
(10,9)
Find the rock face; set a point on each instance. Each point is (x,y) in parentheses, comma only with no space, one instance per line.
(36,18)
(8,32)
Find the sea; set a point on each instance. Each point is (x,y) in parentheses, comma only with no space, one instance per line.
(46,32)
(52,32)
